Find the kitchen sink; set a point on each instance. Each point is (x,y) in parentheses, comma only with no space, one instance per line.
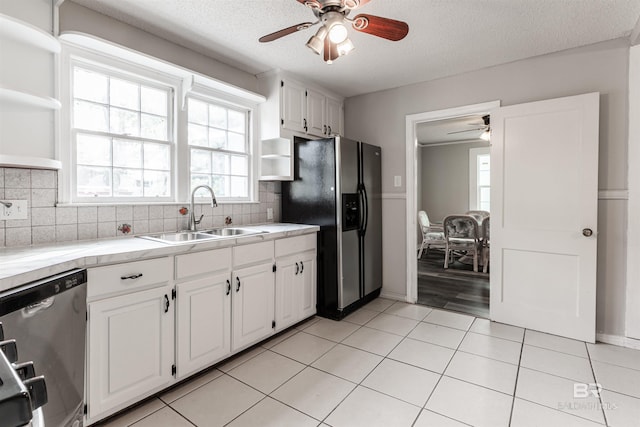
(180,237)
(232,231)
(197,236)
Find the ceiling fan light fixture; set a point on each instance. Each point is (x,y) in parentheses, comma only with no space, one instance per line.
(338,33)
(316,42)
(345,47)
(486,135)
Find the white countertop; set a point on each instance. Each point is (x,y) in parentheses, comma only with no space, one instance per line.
(22,265)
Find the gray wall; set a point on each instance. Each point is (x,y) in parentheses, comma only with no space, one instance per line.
(444,181)
(379,118)
(74,17)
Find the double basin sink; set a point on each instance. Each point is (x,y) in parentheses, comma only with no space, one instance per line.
(197,236)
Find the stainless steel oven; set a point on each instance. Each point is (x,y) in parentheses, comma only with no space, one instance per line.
(47,319)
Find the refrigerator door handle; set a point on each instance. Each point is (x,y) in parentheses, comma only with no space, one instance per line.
(366,210)
(361,211)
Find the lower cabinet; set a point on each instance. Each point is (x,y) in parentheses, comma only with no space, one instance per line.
(203,323)
(295,289)
(253,308)
(130,348)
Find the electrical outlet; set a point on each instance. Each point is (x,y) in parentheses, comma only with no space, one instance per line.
(17,209)
(397,181)
(269,213)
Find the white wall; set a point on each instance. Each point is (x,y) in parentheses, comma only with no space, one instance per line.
(74,17)
(379,118)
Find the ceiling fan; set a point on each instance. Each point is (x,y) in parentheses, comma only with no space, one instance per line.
(486,127)
(333,37)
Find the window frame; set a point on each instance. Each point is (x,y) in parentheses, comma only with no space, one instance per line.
(84,49)
(74,131)
(474,188)
(252,177)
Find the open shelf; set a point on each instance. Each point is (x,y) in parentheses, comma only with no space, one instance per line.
(10,96)
(276,162)
(26,33)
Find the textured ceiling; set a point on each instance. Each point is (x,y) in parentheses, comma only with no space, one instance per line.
(446,37)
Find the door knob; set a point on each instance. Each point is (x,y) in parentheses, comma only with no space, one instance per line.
(587,232)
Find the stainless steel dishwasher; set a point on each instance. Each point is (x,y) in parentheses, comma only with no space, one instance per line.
(47,319)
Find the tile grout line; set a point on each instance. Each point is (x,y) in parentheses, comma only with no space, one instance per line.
(593,372)
(515,385)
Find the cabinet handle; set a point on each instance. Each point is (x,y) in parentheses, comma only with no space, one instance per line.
(301,267)
(304,124)
(228,287)
(297,268)
(237,284)
(329,131)
(133,276)
(166,303)
(324,129)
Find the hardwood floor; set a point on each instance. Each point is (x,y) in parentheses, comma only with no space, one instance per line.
(457,288)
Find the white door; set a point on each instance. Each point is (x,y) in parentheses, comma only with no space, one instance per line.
(544,178)
(131,345)
(334,113)
(253,294)
(294,105)
(316,124)
(203,322)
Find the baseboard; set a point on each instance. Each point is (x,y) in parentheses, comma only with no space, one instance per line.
(393,296)
(619,341)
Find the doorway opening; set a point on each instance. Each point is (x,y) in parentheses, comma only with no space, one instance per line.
(448,174)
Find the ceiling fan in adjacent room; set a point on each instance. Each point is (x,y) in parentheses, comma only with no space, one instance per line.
(332,39)
(485,127)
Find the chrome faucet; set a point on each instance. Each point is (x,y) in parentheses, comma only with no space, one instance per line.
(193,222)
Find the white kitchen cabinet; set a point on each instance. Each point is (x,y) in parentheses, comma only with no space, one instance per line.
(253,304)
(295,280)
(130,348)
(203,310)
(292,109)
(203,323)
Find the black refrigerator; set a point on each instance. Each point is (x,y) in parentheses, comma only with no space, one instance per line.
(337,186)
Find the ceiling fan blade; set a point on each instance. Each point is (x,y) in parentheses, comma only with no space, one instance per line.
(284,32)
(313,4)
(386,28)
(354,4)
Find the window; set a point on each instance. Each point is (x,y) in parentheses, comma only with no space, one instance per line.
(219,148)
(479,179)
(122,136)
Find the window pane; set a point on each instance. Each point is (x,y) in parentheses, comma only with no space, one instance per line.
(220,163)
(197,112)
(153,101)
(157,184)
(124,94)
(220,185)
(237,121)
(157,156)
(124,122)
(239,187)
(217,116)
(198,179)
(484,178)
(154,127)
(90,116)
(127,182)
(93,150)
(217,138)
(201,161)
(197,135)
(90,85)
(127,154)
(236,142)
(93,181)
(239,166)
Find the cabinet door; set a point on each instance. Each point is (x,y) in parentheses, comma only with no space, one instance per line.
(334,117)
(287,295)
(131,344)
(316,124)
(253,304)
(203,322)
(293,107)
(307,285)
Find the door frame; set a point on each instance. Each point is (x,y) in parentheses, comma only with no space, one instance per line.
(411,165)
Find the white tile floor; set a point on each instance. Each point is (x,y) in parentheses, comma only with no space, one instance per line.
(395,364)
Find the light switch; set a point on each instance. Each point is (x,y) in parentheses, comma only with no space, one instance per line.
(397,181)
(269,213)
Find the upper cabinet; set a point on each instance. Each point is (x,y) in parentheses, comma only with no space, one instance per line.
(28,87)
(293,109)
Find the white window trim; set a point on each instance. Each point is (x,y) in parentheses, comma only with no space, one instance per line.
(183,81)
(473,175)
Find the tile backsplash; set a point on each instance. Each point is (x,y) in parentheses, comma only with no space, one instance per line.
(48,223)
